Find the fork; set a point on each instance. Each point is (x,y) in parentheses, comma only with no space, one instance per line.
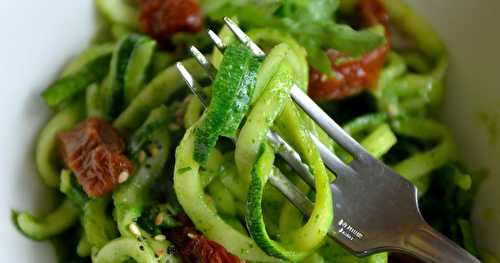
(375,209)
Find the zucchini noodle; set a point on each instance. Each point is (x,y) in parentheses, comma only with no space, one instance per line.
(190,193)
(271,90)
(158,91)
(98,227)
(45,153)
(118,12)
(124,249)
(83,249)
(56,222)
(421,164)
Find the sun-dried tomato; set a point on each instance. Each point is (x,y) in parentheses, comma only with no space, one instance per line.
(350,77)
(354,75)
(93,150)
(193,247)
(162,18)
(371,13)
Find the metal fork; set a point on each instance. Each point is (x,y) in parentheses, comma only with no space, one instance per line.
(375,209)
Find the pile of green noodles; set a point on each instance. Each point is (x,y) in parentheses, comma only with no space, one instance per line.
(124,78)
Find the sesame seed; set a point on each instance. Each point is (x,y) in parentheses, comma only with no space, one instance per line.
(191,235)
(159,218)
(323,78)
(160,237)
(134,229)
(123,177)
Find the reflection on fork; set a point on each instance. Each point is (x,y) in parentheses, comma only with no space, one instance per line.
(375,209)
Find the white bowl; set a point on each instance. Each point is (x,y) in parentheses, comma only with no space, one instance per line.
(38,37)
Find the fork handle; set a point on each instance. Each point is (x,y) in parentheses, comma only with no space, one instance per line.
(429,245)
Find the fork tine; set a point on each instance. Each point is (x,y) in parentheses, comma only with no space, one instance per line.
(219,44)
(291,157)
(332,161)
(244,38)
(291,192)
(193,85)
(203,61)
(327,124)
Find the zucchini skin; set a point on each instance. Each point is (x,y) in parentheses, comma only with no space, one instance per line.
(112,91)
(233,89)
(137,68)
(71,85)
(127,74)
